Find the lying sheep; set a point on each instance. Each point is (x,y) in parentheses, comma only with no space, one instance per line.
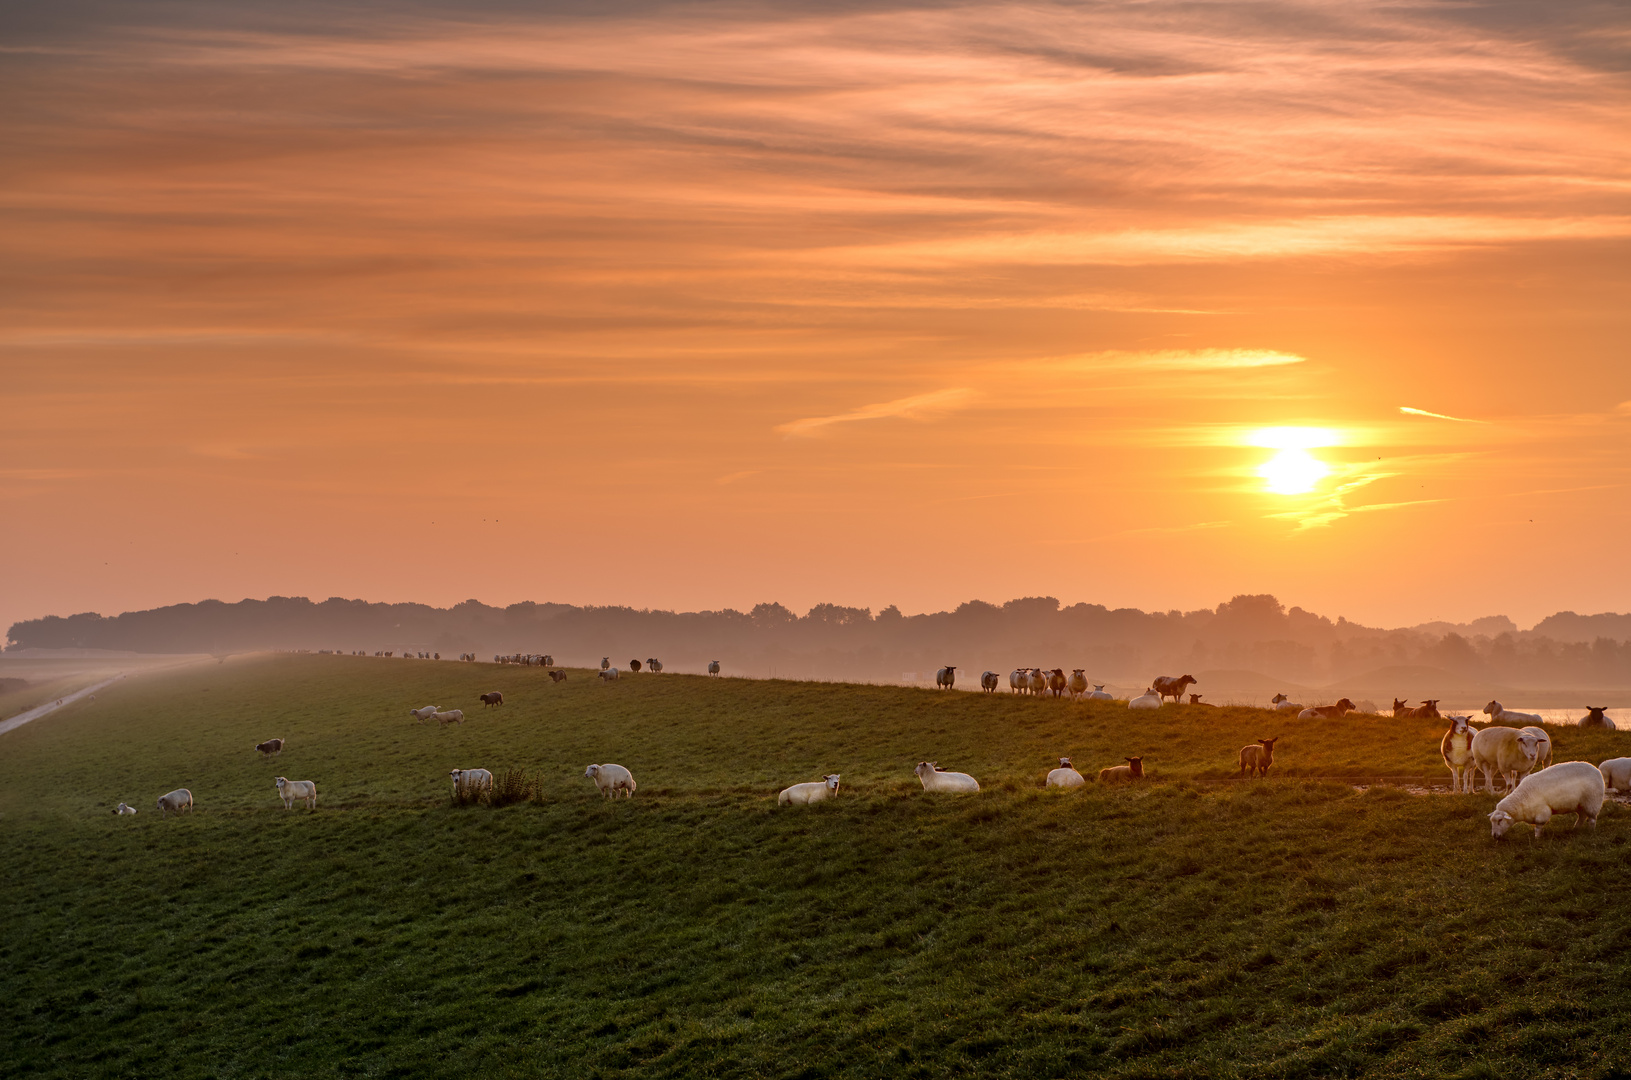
(178,800)
(452,716)
(611,779)
(1256,758)
(1065,776)
(813,792)
(1616,774)
(1281,703)
(121,810)
(1195,699)
(292,790)
(1456,750)
(1504,752)
(1594,718)
(1574,787)
(608,674)
(1123,774)
(1327,712)
(1099,693)
(1149,699)
(935,779)
(424,714)
(1499,714)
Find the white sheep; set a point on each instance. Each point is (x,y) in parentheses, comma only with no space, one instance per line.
(1149,699)
(935,780)
(611,779)
(1616,774)
(608,674)
(178,800)
(1099,693)
(1281,703)
(1574,787)
(121,810)
(1499,714)
(1065,776)
(813,792)
(1504,752)
(1037,680)
(1456,750)
(989,681)
(451,716)
(292,790)
(1078,684)
(1543,749)
(424,714)
(471,783)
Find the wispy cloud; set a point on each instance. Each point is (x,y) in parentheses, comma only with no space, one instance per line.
(916,407)
(731,478)
(1408,411)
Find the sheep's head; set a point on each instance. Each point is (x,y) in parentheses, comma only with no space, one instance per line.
(1277,698)
(1136,764)
(832,781)
(1064,763)
(591,772)
(1530,745)
(923,769)
(1460,725)
(1492,708)
(1345,705)
(1098,687)
(1499,822)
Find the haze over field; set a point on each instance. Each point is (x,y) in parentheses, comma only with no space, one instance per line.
(686,307)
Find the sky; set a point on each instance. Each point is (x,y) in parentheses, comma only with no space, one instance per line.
(696,306)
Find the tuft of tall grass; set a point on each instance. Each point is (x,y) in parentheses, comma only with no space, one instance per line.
(515,786)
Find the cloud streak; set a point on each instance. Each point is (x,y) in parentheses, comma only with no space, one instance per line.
(1408,411)
(917,407)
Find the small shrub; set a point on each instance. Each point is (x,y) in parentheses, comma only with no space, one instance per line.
(515,786)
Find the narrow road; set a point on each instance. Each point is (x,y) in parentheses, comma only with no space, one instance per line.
(52,706)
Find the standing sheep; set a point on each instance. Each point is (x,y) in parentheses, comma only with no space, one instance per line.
(1078,684)
(713,667)
(1574,787)
(813,792)
(1543,746)
(611,779)
(608,674)
(946,678)
(1504,752)
(989,681)
(1256,758)
(180,800)
(1065,776)
(291,790)
(1456,750)
(1616,774)
(935,779)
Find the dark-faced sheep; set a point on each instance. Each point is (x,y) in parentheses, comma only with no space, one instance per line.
(1256,758)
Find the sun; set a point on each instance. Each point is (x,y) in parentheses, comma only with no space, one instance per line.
(1293,471)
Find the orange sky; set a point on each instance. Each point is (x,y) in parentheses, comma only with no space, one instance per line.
(702,306)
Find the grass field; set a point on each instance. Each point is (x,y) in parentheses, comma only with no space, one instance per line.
(1189,927)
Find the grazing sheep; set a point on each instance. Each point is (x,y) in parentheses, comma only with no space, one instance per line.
(471,782)
(451,716)
(1574,787)
(297,789)
(179,800)
(270,747)
(1078,684)
(608,674)
(1594,718)
(1543,748)
(611,779)
(121,810)
(1616,774)
(989,681)
(1327,712)
(1099,693)
(1149,699)
(1500,714)
(1123,774)
(946,678)
(1065,776)
(813,792)
(1456,750)
(1169,687)
(493,699)
(1256,758)
(934,779)
(424,714)
(713,667)
(557,676)
(1504,752)
(1281,703)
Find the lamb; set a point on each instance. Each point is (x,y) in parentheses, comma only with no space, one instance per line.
(934,779)
(1256,758)
(557,676)
(1078,684)
(121,810)
(1123,774)
(1328,712)
(1595,718)
(1169,687)
(1505,752)
(1149,699)
(1195,699)
(270,747)
(989,681)
(946,678)
(1281,703)
(1065,776)
(1574,787)
(1616,774)
(608,674)
(179,800)
(814,792)
(1500,714)
(1456,750)
(611,779)
(713,667)
(1099,693)
(495,698)
(422,715)
(297,789)
(471,783)
(1543,748)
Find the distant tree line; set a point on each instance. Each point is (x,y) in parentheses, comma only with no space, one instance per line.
(1251,632)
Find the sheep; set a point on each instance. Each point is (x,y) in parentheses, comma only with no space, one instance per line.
(1428,710)
(1037,680)
(713,667)
(424,714)
(1543,749)
(1456,750)
(1281,703)
(813,792)
(654,665)
(548,660)
(557,676)
(270,747)
(1616,774)
(989,681)
(1195,699)
(1256,758)
(1328,712)
(1078,684)
(1500,714)
(1595,718)
(121,810)
(1099,693)
(297,789)
(608,674)
(1574,787)
(934,779)
(1401,709)
(1123,774)
(451,716)
(1169,687)
(1149,699)
(1065,776)
(1504,752)
(493,699)
(471,783)
(611,779)
(1057,681)
(605,662)
(634,665)
(179,800)
(946,678)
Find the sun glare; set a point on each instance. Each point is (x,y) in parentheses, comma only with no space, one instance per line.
(1293,471)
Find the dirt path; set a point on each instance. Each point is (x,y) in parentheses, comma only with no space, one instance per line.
(52,706)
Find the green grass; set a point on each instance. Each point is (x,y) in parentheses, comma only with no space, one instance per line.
(1187,927)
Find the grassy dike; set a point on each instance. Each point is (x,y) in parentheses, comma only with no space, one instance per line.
(1189,927)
